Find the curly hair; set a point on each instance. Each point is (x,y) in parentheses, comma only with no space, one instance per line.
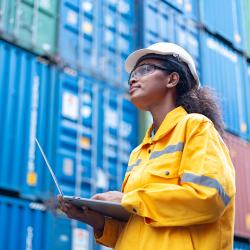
(190,95)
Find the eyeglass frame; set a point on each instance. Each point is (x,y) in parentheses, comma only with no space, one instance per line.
(156,66)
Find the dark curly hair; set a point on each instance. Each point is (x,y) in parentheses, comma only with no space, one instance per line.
(190,95)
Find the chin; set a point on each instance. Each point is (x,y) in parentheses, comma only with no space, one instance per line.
(139,102)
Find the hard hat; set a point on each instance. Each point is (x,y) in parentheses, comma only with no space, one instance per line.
(162,48)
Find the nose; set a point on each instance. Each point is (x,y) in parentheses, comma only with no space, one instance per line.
(132,80)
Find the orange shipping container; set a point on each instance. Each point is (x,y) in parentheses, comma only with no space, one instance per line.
(240,153)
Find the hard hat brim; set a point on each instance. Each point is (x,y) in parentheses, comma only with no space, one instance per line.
(136,55)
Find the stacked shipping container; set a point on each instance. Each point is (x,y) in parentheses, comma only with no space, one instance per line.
(239,150)
(96,36)
(29,225)
(75,101)
(220,47)
(224,54)
(31,24)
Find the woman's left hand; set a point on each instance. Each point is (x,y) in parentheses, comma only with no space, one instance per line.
(113,196)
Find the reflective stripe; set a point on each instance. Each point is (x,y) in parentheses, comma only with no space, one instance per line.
(133,165)
(169,149)
(208,182)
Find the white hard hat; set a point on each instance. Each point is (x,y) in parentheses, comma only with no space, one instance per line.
(162,48)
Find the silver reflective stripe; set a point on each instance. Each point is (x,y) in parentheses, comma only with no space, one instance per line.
(169,149)
(133,165)
(208,182)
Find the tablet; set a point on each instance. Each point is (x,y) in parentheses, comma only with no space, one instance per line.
(110,209)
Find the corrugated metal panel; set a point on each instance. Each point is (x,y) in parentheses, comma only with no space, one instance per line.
(240,151)
(245,5)
(96,130)
(224,70)
(22,224)
(191,8)
(188,7)
(120,135)
(31,24)
(229,26)
(117,37)
(26,91)
(163,23)
(76,132)
(65,112)
(33,227)
(239,245)
(78,33)
(64,233)
(96,36)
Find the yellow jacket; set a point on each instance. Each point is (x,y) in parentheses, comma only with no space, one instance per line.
(179,188)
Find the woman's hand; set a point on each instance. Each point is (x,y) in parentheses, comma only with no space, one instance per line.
(113,196)
(83,214)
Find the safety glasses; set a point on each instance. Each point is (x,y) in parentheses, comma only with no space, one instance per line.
(144,69)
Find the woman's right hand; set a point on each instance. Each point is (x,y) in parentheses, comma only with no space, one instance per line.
(90,217)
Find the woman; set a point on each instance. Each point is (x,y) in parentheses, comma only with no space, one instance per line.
(180,181)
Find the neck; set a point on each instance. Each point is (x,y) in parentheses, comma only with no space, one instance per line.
(160,111)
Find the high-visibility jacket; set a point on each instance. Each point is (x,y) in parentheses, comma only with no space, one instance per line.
(179,188)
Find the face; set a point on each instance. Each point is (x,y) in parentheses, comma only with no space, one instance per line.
(149,89)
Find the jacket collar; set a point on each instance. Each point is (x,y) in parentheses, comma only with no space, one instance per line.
(169,122)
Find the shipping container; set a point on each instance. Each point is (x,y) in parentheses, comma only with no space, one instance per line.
(95,131)
(67,112)
(241,245)
(240,151)
(120,135)
(245,22)
(22,224)
(161,23)
(97,36)
(189,8)
(224,70)
(228,25)
(30,24)
(247,91)
(29,225)
(75,133)
(26,99)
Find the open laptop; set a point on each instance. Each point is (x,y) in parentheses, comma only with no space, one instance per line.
(110,209)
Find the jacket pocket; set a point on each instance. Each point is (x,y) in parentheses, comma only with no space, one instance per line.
(162,171)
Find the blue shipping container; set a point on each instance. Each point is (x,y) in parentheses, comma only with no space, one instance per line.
(96,36)
(229,25)
(189,8)
(26,88)
(241,245)
(65,112)
(225,71)
(28,225)
(120,135)
(75,133)
(22,225)
(95,131)
(160,22)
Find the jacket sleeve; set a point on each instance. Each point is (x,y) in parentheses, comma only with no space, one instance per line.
(205,187)
(111,232)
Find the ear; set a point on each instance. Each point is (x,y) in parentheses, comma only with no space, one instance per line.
(172,80)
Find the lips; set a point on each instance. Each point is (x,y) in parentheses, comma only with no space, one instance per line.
(133,88)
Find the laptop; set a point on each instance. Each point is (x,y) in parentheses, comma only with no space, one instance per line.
(109,209)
